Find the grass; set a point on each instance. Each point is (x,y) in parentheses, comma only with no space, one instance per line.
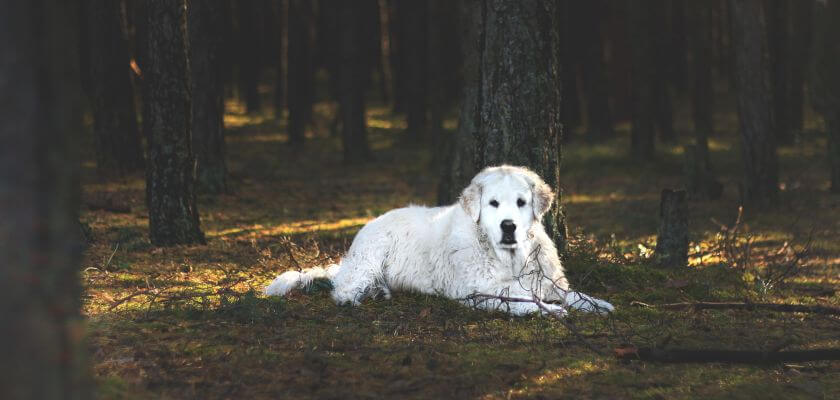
(189,322)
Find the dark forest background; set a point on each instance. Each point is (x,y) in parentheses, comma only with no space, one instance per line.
(207,125)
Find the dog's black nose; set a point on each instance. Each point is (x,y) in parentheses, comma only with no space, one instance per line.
(508,226)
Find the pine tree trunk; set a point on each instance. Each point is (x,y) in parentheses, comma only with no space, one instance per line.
(755,109)
(642,140)
(280,9)
(803,25)
(700,176)
(387,78)
(414,66)
(352,70)
(511,106)
(825,82)
(107,82)
(663,61)
(208,141)
(703,104)
(300,75)
(250,17)
(170,176)
(42,330)
(593,71)
(779,39)
(569,52)
(462,162)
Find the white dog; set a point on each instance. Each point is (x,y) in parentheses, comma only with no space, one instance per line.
(491,243)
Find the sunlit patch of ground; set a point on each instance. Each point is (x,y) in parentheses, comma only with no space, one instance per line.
(191,322)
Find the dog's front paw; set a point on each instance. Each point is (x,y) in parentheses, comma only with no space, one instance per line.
(553,309)
(580,301)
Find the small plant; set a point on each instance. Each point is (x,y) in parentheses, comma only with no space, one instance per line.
(761,272)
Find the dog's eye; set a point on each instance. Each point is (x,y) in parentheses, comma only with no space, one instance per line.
(520,203)
(494,203)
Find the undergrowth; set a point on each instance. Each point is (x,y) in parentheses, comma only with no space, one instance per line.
(191,321)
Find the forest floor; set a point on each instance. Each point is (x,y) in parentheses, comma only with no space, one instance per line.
(191,322)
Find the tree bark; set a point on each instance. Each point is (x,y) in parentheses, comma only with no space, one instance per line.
(650,71)
(300,75)
(779,40)
(569,49)
(170,176)
(593,72)
(672,238)
(280,10)
(43,351)
(249,14)
(461,162)
(643,72)
(414,57)
(802,13)
(826,83)
(352,71)
(511,105)
(701,180)
(107,82)
(755,108)
(208,141)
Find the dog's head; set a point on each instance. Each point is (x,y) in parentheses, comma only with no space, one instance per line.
(506,202)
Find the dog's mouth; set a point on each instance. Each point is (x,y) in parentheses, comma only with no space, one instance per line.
(508,241)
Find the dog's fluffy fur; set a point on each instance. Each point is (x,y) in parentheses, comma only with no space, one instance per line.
(459,250)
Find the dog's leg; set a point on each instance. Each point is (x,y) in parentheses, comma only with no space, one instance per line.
(355,280)
(527,304)
(583,302)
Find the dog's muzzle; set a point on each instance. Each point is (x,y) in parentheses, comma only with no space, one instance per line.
(508,228)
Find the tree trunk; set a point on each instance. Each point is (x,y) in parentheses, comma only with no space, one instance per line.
(170,176)
(825,82)
(352,69)
(779,36)
(462,162)
(300,76)
(414,57)
(677,49)
(107,81)
(387,78)
(249,13)
(651,60)
(208,141)
(42,330)
(755,108)
(593,71)
(663,62)
(511,48)
(569,48)
(643,70)
(803,25)
(701,181)
(280,9)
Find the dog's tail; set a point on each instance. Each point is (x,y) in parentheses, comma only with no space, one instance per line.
(289,280)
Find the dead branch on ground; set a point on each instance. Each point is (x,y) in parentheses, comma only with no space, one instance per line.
(697,306)
(724,356)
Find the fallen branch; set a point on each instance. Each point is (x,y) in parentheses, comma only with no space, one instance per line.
(724,356)
(816,309)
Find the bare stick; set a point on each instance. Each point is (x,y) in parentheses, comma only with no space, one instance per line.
(726,356)
(816,309)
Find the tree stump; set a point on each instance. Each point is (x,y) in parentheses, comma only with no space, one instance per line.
(672,238)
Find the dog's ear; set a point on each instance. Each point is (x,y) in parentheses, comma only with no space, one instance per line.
(471,201)
(543,198)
